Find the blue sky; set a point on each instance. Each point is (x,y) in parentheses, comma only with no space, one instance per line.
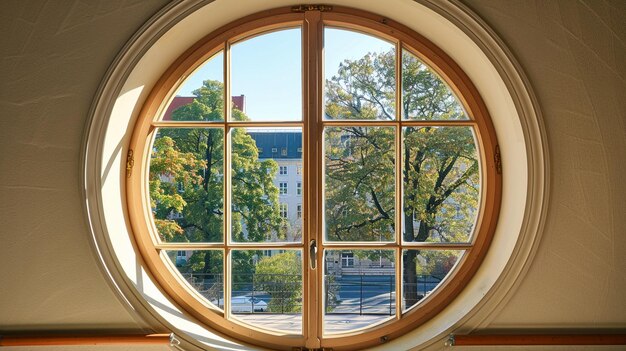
(267,69)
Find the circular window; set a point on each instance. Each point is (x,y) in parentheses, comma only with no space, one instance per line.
(313,177)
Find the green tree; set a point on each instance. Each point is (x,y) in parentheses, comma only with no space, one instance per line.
(439,171)
(281,276)
(186,181)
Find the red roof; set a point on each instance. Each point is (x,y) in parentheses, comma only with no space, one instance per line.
(239,102)
(179,101)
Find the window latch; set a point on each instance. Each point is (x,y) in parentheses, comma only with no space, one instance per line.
(313,253)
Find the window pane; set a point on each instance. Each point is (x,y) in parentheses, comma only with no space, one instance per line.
(360,76)
(266,71)
(201,96)
(263,200)
(359,183)
(423,271)
(186,184)
(425,96)
(441,175)
(203,270)
(266,289)
(359,289)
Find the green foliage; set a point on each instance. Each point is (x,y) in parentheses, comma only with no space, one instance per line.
(440,174)
(440,167)
(360,183)
(281,276)
(187,178)
(168,168)
(425,95)
(204,271)
(439,164)
(363,89)
(441,182)
(436,263)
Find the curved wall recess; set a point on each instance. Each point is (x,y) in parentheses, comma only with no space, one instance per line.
(449,25)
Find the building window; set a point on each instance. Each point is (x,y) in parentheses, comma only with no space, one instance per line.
(347,259)
(181,258)
(392,159)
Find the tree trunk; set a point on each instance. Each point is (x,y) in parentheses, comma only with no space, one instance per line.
(411,295)
(410,278)
(207,278)
(410,272)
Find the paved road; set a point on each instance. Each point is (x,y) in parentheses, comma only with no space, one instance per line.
(372,294)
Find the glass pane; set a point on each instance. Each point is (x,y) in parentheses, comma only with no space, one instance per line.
(423,271)
(441,173)
(359,289)
(425,96)
(266,289)
(186,184)
(360,76)
(265,184)
(266,72)
(201,96)
(203,270)
(359,183)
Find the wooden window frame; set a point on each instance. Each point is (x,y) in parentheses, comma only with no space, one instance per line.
(312,21)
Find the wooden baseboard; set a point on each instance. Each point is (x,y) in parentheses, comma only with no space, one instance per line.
(561,339)
(65,340)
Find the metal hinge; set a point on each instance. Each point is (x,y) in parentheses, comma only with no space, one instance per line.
(497,158)
(305,8)
(130,162)
(450,342)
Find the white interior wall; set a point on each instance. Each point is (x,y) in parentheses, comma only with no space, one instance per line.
(54,55)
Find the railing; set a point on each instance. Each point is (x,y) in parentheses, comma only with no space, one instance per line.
(361,294)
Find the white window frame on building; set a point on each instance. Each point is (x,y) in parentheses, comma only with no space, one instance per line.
(347,259)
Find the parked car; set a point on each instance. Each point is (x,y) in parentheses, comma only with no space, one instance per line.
(244,304)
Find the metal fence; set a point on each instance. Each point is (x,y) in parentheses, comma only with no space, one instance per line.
(360,294)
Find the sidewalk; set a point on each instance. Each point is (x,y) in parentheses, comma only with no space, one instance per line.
(333,323)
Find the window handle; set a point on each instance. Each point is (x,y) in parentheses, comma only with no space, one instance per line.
(313,253)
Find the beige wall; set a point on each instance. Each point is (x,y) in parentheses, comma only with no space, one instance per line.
(54,55)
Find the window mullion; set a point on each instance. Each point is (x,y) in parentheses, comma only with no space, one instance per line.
(399,178)
(227,183)
(312,50)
